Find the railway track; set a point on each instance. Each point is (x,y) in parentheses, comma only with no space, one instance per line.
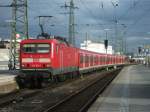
(8,94)
(60,96)
(82,99)
(16,96)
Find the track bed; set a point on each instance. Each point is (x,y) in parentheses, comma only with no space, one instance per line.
(60,96)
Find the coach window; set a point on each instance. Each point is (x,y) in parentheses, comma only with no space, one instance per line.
(86,59)
(91,59)
(103,59)
(100,59)
(113,59)
(81,58)
(107,59)
(94,59)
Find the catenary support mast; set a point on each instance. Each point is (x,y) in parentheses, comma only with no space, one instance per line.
(19,26)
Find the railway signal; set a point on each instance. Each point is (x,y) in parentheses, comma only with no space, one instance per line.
(106,44)
(139,50)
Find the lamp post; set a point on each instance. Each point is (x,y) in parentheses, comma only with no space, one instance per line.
(87,35)
(123,40)
(116,39)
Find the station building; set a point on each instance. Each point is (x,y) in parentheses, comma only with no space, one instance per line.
(96,47)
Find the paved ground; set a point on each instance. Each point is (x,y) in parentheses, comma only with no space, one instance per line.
(7,81)
(5,78)
(4,54)
(4,67)
(4,57)
(129,92)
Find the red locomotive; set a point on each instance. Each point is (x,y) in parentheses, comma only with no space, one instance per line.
(52,59)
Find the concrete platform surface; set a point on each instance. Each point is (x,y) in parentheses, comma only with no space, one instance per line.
(7,81)
(4,54)
(129,92)
(5,78)
(4,57)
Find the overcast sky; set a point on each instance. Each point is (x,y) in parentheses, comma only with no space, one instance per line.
(133,19)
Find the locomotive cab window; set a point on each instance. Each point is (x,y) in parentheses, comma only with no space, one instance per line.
(29,48)
(43,48)
(36,48)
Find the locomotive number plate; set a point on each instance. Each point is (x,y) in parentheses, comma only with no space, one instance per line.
(35,59)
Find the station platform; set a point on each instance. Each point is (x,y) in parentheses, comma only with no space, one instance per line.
(4,57)
(7,81)
(129,92)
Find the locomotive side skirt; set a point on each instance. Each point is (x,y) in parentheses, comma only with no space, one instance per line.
(64,70)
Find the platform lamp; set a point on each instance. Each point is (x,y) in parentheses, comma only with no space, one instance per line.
(139,50)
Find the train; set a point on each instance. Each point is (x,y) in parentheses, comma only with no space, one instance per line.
(43,60)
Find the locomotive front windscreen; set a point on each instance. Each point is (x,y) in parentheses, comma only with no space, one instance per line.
(36,48)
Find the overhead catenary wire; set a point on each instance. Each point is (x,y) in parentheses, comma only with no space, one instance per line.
(90,12)
(138,19)
(130,9)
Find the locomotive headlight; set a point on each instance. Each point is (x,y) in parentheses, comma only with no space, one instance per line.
(23,65)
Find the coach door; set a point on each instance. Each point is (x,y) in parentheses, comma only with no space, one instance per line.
(61,60)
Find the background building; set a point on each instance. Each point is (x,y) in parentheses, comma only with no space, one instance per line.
(96,47)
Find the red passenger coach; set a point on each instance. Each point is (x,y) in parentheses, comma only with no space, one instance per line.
(54,58)
(91,60)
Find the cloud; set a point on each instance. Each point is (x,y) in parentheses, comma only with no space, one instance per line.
(99,14)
